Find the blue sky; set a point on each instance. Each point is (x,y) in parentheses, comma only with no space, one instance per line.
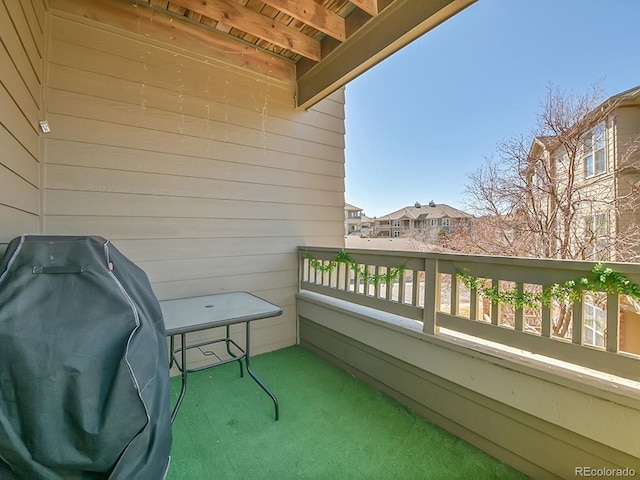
(419,122)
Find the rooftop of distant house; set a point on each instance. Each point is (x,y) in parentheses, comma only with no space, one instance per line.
(419,211)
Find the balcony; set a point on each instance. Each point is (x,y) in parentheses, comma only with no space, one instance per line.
(186,149)
(544,399)
(333,426)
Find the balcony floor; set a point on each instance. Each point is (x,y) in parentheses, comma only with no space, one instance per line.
(332,426)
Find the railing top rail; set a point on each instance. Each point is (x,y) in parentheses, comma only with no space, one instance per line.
(572,267)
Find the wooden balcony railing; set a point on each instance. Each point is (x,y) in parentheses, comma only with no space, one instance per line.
(430,289)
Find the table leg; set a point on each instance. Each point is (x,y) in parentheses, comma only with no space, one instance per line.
(228,342)
(172,349)
(253,375)
(183,370)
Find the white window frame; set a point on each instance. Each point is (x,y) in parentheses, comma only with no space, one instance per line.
(446,222)
(433,222)
(595,154)
(594,325)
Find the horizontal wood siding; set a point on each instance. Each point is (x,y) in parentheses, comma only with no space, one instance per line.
(21,75)
(201,172)
(627,134)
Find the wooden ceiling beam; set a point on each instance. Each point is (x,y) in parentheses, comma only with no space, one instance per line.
(272,31)
(397,25)
(314,15)
(369,6)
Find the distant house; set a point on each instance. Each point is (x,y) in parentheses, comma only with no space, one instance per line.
(605,178)
(352,219)
(366,225)
(424,222)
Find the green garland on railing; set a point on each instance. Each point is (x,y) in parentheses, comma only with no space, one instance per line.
(602,279)
(387,278)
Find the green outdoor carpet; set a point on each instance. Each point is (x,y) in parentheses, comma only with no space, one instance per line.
(331,427)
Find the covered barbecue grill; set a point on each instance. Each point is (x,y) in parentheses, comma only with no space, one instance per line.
(84,383)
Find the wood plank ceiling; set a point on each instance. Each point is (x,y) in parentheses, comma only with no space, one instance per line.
(330,41)
(291,29)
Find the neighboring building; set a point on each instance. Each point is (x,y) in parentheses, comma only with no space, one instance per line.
(423,222)
(605,179)
(594,169)
(366,225)
(352,219)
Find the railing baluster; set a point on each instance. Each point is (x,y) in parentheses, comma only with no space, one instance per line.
(415,286)
(473,304)
(577,321)
(345,277)
(455,297)
(431,296)
(612,342)
(519,313)
(366,281)
(331,280)
(495,307)
(326,275)
(545,317)
(376,284)
(401,285)
(356,281)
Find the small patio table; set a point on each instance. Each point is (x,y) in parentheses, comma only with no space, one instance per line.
(188,315)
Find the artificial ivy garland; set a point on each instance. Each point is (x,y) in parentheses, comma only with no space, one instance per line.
(387,278)
(602,279)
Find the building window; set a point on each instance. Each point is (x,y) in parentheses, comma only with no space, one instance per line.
(445,222)
(396,223)
(594,152)
(396,234)
(433,222)
(595,321)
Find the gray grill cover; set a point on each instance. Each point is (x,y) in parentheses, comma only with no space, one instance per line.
(84,383)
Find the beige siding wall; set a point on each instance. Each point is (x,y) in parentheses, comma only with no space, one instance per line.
(627,131)
(593,195)
(201,172)
(22,43)
(600,190)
